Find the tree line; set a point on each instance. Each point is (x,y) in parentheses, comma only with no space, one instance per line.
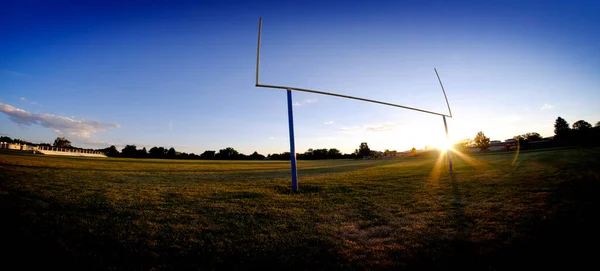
(228,153)
(580,133)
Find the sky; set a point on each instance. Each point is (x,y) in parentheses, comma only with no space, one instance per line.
(181,73)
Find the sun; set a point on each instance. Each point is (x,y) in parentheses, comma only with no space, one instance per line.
(443,145)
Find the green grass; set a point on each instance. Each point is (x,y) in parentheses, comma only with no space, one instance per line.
(495,212)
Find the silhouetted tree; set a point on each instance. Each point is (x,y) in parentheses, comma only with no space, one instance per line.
(597,124)
(307,155)
(560,126)
(129,151)
(228,153)
(481,141)
(111,151)
(61,142)
(583,133)
(363,150)
(141,153)
(208,155)
(334,154)
(581,125)
(320,154)
(532,136)
(157,152)
(256,156)
(562,133)
(171,153)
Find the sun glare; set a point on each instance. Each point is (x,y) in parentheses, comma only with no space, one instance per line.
(443,145)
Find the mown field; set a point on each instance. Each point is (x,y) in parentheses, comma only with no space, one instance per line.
(495,212)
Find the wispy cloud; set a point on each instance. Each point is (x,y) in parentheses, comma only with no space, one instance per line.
(546,107)
(79,129)
(380,127)
(329,122)
(305,102)
(272,137)
(25,100)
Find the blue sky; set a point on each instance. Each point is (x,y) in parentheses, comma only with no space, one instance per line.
(182,74)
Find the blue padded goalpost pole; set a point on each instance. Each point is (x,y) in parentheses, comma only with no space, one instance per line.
(292,144)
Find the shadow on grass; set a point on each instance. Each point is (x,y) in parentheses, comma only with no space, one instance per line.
(98,237)
(458,212)
(302,189)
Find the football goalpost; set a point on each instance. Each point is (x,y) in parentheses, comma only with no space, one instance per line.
(291,113)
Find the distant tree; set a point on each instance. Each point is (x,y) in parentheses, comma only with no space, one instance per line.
(129,151)
(463,145)
(208,155)
(141,153)
(413,150)
(532,136)
(597,124)
(61,142)
(171,153)
(561,126)
(280,156)
(349,156)
(6,139)
(334,154)
(320,154)
(481,141)
(307,155)
(111,151)
(581,125)
(521,142)
(256,156)
(157,152)
(228,153)
(364,150)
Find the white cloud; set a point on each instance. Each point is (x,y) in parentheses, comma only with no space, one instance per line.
(80,129)
(380,127)
(351,129)
(546,107)
(329,122)
(305,102)
(22,99)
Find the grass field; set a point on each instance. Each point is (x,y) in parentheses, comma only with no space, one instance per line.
(497,211)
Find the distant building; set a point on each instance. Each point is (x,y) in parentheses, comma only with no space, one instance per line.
(497,145)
